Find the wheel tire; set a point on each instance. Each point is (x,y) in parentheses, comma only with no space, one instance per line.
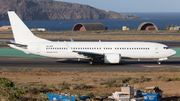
(91,62)
(159,63)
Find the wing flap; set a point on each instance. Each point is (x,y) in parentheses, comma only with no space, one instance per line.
(90,54)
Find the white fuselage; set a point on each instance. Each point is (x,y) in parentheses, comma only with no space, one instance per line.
(125,49)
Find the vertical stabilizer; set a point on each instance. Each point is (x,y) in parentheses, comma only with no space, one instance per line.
(21,32)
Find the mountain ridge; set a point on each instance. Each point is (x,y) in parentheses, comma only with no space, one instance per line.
(56,10)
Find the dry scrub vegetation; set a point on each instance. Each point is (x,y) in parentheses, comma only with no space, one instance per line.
(40,81)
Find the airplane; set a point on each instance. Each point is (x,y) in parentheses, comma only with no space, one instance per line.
(108,52)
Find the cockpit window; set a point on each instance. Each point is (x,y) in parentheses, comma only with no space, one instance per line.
(166,47)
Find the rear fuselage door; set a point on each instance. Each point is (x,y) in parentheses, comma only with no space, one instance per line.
(156,49)
(38,49)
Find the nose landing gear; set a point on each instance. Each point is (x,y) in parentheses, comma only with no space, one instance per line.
(91,62)
(159,63)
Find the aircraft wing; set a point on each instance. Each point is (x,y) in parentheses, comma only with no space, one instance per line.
(90,54)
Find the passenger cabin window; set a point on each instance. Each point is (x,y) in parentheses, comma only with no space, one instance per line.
(131,48)
(166,47)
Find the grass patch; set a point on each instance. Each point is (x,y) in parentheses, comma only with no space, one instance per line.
(9,91)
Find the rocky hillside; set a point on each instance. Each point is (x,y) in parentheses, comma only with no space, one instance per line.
(55,10)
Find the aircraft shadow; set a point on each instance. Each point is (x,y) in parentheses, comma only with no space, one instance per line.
(123,62)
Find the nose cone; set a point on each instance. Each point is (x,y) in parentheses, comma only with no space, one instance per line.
(173,52)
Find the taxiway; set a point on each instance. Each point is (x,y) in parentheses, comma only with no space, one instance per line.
(16,63)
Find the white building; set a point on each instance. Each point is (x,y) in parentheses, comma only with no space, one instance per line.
(125,28)
(174,28)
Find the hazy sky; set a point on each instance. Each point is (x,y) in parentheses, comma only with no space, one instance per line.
(132,5)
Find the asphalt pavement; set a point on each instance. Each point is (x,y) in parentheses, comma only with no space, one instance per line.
(15,63)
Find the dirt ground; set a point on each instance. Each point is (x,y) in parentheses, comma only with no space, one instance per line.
(171,86)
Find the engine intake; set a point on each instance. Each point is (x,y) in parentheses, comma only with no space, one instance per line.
(112,58)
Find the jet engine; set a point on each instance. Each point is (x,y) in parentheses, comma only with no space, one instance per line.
(112,58)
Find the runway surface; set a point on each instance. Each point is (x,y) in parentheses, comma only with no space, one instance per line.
(14,63)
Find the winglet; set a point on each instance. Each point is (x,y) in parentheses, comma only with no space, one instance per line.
(71,39)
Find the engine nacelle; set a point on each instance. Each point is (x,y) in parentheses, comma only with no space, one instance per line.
(112,58)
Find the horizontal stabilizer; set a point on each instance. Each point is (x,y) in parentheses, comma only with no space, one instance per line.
(16,44)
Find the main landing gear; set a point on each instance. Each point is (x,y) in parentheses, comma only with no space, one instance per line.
(159,63)
(91,62)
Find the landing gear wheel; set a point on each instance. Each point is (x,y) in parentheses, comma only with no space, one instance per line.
(91,62)
(159,63)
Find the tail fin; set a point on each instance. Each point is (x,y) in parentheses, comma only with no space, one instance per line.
(21,32)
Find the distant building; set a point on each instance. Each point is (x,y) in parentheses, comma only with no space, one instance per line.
(41,29)
(175,28)
(125,28)
(147,26)
(33,29)
(5,28)
(88,27)
(150,28)
(38,29)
